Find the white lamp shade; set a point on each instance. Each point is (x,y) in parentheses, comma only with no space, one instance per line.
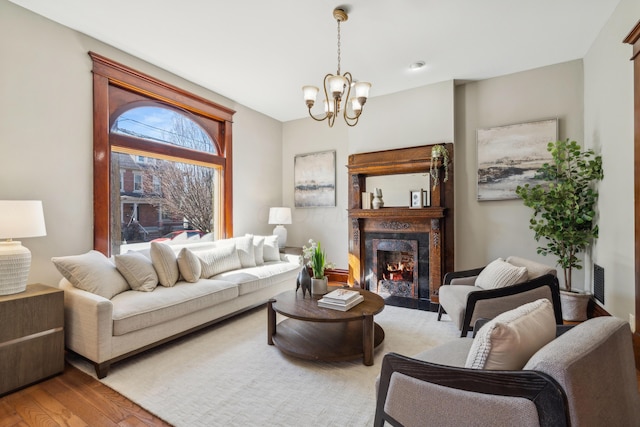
(337,85)
(362,89)
(280,216)
(309,93)
(21,219)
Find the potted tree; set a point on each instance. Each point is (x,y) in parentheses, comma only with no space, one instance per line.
(564,214)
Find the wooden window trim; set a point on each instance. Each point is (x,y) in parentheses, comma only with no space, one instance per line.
(109,74)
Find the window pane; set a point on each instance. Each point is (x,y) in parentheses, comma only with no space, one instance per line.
(160,199)
(163,125)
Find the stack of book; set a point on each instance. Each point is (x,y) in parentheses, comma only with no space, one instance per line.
(340,299)
(366,200)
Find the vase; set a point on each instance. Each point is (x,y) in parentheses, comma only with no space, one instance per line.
(319,286)
(574,305)
(377,202)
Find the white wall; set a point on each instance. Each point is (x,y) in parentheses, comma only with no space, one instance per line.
(46,135)
(404,119)
(608,117)
(490,229)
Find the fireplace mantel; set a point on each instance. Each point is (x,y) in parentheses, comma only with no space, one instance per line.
(436,220)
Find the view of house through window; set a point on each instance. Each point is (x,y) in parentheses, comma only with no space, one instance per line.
(160,198)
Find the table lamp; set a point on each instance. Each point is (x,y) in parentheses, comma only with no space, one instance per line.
(280,216)
(18,218)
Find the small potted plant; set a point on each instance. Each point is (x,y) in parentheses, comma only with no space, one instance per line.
(439,153)
(316,259)
(564,214)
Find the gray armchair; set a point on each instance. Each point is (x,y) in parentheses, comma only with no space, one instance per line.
(584,377)
(465,302)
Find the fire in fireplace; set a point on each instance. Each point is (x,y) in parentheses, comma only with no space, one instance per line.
(394,266)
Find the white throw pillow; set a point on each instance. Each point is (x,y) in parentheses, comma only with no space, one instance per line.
(218,260)
(138,270)
(165,262)
(271,251)
(258,248)
(92,272)
(189,265)
(508,341)
(246,252)
(499,274)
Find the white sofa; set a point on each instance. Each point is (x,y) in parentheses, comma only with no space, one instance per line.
(107,319)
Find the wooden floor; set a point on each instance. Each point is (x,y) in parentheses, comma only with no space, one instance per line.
(72,399)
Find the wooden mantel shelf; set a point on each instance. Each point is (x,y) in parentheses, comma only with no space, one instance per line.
(398,212)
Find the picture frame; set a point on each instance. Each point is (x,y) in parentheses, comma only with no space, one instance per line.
(509,156)
(426,198)
(416,199)
(314,179)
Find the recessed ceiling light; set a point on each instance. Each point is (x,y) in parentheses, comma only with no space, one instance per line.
(417,65)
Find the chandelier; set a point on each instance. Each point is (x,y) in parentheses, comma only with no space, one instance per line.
(335,86)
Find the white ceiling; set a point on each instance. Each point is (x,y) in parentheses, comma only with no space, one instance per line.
(260,53)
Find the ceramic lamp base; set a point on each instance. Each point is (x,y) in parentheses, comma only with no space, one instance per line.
(281,232)
(15,262)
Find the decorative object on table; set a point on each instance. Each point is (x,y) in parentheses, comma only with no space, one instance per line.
(377,202)
(304,281)
(18,218)
(564,208)
(509,156)
(439,154)
(341,299)
(316,259)
(416,199)
(280,216)
(367,199)
(334,90)
(314,179)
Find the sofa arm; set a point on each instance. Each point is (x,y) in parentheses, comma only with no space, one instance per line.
(88,323)
(411,391)
(292,258)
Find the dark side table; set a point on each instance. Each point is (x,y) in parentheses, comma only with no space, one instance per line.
(31,336)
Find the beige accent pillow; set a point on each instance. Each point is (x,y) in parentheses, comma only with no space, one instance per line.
(189,265)
(258,248)
(499,274)
(92,272)
(138,270)
(271,251)
(508,341)
(246,252)
(164,261)
(218,260)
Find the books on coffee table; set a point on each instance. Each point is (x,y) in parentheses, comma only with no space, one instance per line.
(341,299)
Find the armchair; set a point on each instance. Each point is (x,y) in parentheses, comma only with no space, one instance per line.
(585,376)
(465,302)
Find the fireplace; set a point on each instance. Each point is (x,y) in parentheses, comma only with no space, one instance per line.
(397,230)
(397,264)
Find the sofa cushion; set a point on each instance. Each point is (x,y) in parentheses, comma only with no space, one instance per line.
(271,251)
(133,311)
(138,270)
(165,262)
(258,248)
(246,251)
(499,273)
(92,272)
(252,279)
(217,260)
(508,341)
(189,265)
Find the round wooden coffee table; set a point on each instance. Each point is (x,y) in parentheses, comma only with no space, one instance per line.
(316,333)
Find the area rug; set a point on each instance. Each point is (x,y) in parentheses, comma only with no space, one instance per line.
(227,375)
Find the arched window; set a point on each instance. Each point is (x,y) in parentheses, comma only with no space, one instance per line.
(162,161)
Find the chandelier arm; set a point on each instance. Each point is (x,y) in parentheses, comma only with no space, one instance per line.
(316,118)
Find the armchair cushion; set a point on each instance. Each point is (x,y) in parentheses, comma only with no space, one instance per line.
(534,269)
(499,274)
(508,341)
